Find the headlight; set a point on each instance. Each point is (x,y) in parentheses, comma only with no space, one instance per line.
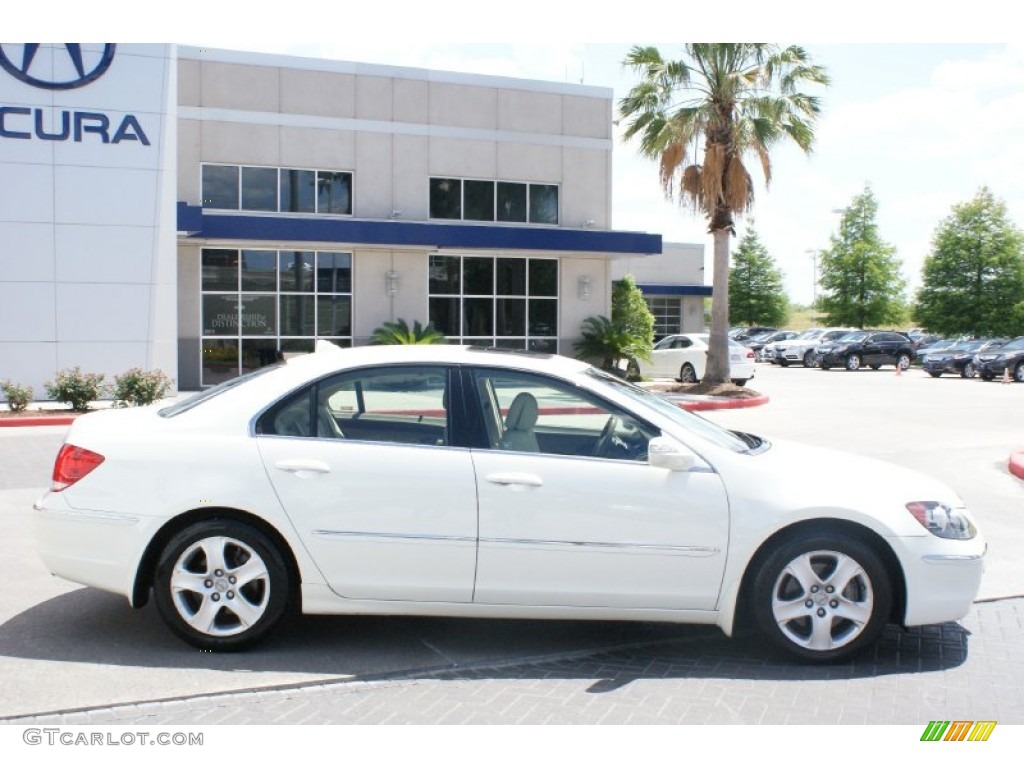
(942,520)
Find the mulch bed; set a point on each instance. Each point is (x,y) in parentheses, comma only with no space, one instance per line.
(728,390)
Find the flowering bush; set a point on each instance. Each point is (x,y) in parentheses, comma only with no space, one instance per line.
(139,387)
(18,397)
(76,388)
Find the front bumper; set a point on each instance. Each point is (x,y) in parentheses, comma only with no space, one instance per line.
(943,577)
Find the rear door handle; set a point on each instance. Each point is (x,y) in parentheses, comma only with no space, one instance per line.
(515,478)
(298,466)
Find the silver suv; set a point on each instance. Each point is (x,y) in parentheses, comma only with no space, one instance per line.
(801,348)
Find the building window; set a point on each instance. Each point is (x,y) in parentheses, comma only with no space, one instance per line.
(506,201)
(273,190)
(258,304)
(668,315)
(495,301)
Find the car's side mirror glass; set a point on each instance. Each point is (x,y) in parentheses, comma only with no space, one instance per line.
(668,454)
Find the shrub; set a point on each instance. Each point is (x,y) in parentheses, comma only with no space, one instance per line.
(610,342)
(139,387)
(400,333)
(75,388)
(18,397)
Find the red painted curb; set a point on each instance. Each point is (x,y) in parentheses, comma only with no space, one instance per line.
(1017,463)
(722,404)
(38,421)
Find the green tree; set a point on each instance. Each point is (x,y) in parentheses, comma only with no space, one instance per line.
(630,311)
(973,280)
(756,295)
(860,274)
(735,99)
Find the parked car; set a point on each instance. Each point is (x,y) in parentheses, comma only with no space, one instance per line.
(745,333)
(684,356)
(759,343)
(452,481)
(959,358)
(931,347)
(801,348)
(1008,358)
(871,348)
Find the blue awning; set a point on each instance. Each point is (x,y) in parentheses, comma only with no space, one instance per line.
(674,290)
(196,222)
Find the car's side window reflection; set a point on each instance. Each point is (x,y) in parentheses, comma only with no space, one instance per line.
(535,414)
(406,404)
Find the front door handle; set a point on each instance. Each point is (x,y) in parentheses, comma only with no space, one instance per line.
(515,478)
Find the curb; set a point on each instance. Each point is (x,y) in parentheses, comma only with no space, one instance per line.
(720,404)
(38,421)
(1017,463)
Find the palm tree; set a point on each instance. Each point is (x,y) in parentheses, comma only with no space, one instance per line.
(401,333)
(740,98)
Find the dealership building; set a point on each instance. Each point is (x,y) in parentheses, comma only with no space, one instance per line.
(205,211)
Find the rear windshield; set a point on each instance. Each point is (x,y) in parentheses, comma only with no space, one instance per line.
(206,395)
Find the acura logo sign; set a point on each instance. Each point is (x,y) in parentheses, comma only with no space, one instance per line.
(78,67)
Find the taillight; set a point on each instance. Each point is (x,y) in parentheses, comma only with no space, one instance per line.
(750,353)
(72,464)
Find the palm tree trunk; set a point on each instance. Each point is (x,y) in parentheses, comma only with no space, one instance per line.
(717,371)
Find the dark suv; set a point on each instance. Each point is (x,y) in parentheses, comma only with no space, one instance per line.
(871,348)
(1008,358)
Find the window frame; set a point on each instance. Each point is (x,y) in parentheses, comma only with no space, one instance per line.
(496,217)
(278,210)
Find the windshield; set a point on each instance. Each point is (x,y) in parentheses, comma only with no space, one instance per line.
(855,336)
(1017,343)
(689,421)
(810,333)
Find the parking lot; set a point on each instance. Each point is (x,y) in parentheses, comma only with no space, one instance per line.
(64,647)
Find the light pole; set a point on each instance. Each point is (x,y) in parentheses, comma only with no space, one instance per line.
(814,267)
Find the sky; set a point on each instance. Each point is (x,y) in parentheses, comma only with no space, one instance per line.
(923,108)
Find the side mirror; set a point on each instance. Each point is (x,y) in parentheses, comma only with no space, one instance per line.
(668,454)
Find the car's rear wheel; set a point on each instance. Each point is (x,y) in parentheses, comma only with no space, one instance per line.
(822,596)
(1018,372)
(739,382)
(687,374)
(853,363)
(935,374)
(903,362)
(221,585)
(810,359)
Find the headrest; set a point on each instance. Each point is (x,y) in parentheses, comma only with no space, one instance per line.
(522,414)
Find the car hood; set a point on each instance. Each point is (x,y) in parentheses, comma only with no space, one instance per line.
(844,484)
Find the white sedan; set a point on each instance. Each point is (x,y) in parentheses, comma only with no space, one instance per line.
(684,356)
(452,481)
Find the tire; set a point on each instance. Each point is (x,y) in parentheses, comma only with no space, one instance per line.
(987,376)
(935,374)
(968,371)
(1018,372)
(875,367)
(740,382)
(633,371)
(687,374)
(784,363)
(793,605)
(824,367)
(853,363)
(221,585)
(903,362)
(810,360)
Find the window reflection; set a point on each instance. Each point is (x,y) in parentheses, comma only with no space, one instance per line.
(334,192)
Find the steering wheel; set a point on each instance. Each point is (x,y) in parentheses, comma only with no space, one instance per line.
(605,438)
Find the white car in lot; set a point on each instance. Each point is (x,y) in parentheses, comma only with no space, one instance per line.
(801,349)
(452,481)
(684,356)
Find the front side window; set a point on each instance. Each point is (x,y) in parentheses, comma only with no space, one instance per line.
(529,413)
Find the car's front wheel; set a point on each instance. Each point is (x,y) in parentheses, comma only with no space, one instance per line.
(822,596)
(968,371)
(221,585)
(1018,372)
(853,363)
(810,359)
